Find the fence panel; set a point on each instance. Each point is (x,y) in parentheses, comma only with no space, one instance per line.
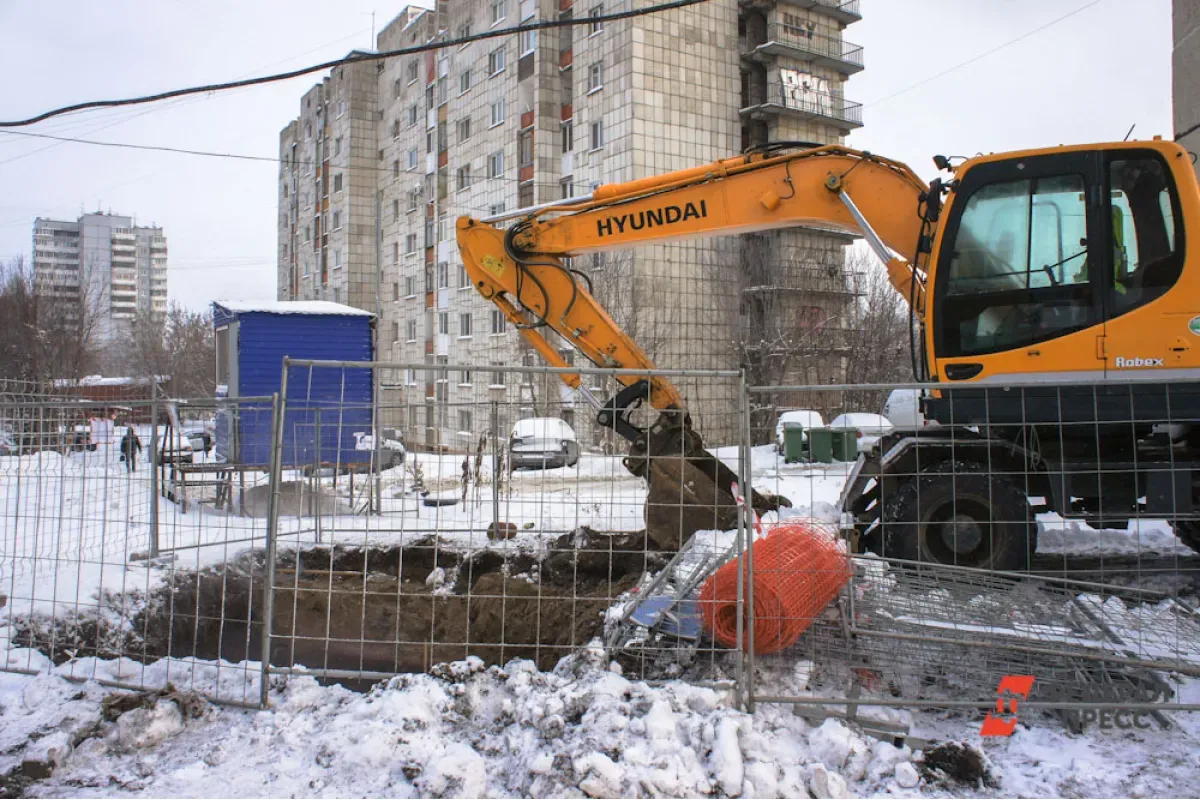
(1014,530)
(503,524)
(129,559)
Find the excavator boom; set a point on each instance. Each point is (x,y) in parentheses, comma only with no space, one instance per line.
(521,270)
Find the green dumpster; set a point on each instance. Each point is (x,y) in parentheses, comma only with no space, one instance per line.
(793,442)
(820,445)
(845,444)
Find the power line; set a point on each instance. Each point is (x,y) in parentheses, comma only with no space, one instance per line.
(353,58)
(984,54)
(237,156)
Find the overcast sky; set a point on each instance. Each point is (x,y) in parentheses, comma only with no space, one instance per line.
(1087,78)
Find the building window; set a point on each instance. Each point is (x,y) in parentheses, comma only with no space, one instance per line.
(498,10)
(596,25)
(496,61)
(337,220)
(337,146)
(395,331)
(568,136)
(395,209)
(596,76)
(499,322)
(464,32)
(337,258)
(465,378)
(410,330)
(396,168)
(410,286)
(412,158)
(413,68)
(464,82)
(496,164)
(337,183)
(395,292)
(597,135)
(410,243)
(528,42)
(464,416)
(443,323)
(497,380)
(307,233)
(412,115)
(495,208)
(443,136)
(464,129)
(568,186)
(525,147)
(464,280)
(395,252)
(497,113)
(395,129)
(443,275)
(464,326)
(341,108)
(463,176)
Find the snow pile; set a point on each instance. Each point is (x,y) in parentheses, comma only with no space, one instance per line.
(582,730)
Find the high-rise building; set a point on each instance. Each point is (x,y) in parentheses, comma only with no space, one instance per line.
(1185,72)
(510,122)
(103,263)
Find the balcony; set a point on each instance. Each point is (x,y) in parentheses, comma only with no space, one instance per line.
(780,98)
(803,44)
(844,11)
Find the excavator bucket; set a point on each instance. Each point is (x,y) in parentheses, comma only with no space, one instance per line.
(690,489)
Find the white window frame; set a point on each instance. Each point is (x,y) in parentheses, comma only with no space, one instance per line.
(465,323)
(464,82)
(444,323)
(593,127)
(499,325)
(496,164)
(410,287)
(413,158)
(414,71)
(410,330)
(596,27)
(502,6)
(410,238)
(462,178)
(595,77)
(498,120)
(497,57)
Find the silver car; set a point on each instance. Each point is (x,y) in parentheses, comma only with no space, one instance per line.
(542,443)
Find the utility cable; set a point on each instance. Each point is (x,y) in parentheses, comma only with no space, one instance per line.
(353,58)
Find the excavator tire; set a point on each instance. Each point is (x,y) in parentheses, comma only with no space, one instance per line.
(956,513)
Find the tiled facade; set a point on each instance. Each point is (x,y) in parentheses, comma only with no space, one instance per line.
(509,122)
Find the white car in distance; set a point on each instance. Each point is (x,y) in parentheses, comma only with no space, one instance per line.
(870,427)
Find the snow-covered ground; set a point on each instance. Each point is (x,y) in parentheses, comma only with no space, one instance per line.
(580,730)
(72,524)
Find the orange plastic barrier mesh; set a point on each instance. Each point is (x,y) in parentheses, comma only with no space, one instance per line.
(798,571)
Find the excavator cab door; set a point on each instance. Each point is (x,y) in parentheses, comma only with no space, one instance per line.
(1021,269)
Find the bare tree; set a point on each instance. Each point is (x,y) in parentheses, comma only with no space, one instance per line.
(877,333)
(178,344)
(48,328)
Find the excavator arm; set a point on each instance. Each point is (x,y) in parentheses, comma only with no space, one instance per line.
(521,270)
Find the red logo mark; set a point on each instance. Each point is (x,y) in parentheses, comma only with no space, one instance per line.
(1011,691)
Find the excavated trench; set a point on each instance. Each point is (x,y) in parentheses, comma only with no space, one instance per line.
(390,610)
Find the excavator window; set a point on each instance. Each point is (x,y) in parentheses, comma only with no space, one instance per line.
(1019,271)
(1146,240)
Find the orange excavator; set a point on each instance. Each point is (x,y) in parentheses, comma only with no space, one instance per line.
(1065,270)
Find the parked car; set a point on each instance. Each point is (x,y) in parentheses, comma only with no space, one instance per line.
(871,427)
(807,419)
(173,449)
(542,443)
(8,443)
(903,408)
(199,434)
(391,446)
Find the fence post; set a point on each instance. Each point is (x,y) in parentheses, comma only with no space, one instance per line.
(278,408)
(154,467)
(495,424)
(747,523)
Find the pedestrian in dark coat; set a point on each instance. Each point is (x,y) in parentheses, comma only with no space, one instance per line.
(131,445)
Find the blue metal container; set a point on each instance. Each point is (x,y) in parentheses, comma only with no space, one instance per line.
(331,406)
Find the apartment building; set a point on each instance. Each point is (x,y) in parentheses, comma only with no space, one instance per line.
(105,263)
(510,122)
(1185,72)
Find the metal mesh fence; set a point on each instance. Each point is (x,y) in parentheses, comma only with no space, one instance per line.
(370,521)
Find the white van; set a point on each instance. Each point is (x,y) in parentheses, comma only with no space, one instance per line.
(903,408)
